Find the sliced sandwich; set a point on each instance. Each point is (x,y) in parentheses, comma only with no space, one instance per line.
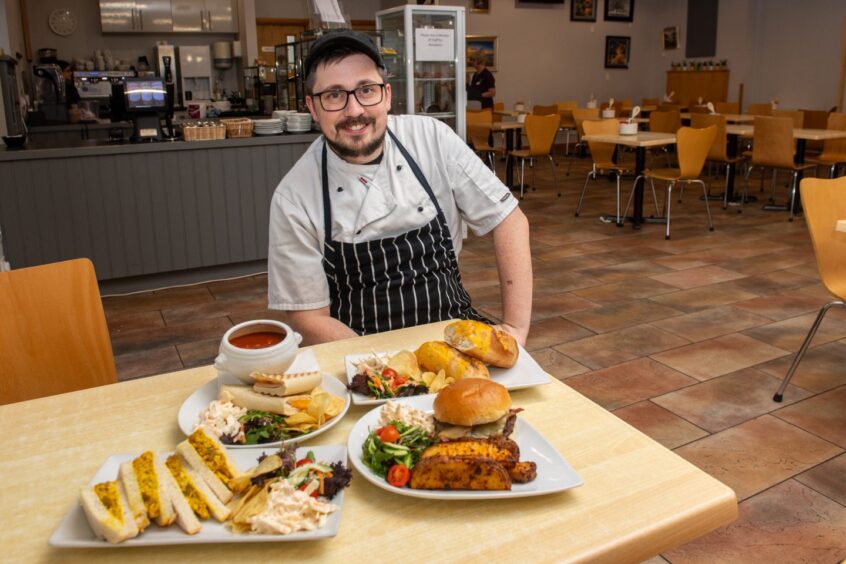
(201,499)
(286,384)
(107,509)
(185,517)
(208,457)
(133,496)
(143,477)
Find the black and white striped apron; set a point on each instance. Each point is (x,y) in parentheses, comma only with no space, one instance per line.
(398,281)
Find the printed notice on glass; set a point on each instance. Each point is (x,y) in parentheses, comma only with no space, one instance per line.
(434,44)
(329,11)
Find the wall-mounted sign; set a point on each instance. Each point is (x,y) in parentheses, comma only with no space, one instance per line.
(434,44)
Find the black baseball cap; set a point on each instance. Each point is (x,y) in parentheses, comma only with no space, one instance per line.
(342,39)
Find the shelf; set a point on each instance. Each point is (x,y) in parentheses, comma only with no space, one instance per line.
(438,115)
(441,79)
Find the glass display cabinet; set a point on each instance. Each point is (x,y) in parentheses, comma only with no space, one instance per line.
(423,49)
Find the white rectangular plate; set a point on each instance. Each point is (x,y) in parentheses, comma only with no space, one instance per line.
(525,373)
(554,473)
(74,531)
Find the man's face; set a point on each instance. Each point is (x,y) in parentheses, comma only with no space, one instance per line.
(357,132)
(478,65)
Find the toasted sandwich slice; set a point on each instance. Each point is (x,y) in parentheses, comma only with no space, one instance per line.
(195,490)
(147,473)
(108,511)
(133,495)
(208,457)
(183,512)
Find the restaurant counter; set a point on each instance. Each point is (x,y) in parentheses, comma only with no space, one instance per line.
(145,208)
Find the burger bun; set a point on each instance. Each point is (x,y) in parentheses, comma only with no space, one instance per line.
(472,401)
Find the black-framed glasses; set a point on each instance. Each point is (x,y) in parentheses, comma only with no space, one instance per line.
(336,100)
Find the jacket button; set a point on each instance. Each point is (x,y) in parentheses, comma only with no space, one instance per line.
(399,167)
(340,189)
(420,209)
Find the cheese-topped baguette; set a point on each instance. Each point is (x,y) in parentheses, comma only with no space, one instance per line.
(208,457)
(146,472)
(107,510)
(480,340)
(435,356)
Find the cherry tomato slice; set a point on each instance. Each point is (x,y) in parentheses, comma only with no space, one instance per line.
(389,373)
(388,434)
(400,380)
(303,461)
(304,486)
(399,475)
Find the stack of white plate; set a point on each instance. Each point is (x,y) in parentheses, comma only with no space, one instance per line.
(268,126)
(299,122)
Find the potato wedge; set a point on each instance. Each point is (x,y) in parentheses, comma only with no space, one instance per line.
(459,473)
(473,448)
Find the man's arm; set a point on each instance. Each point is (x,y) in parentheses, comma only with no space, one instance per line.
(489,93)
(317,326)
(514,262)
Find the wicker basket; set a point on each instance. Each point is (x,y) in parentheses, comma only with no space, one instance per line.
(238,127)
(203,131)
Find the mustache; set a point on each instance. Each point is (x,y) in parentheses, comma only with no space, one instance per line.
(354,121)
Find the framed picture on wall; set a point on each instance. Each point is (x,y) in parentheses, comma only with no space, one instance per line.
(619,10)
(617,51)
(481,46)
(670,38)
(583,11)
(481,6)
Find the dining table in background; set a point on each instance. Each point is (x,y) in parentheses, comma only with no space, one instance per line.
(640,141)
(638,498)
(730,118)
(512,129)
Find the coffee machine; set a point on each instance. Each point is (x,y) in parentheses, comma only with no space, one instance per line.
(96,86)
(50,94)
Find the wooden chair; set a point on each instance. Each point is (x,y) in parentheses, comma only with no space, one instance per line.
(662,121)
(824,202)
(479,133)
(765,109)
(669,107)
(650,102)
(695,109)
(568,124)
(727,107)
(53,333)
(834,150)
(798,117)
(773,147)
(579,116)
(692,146)
(815,119)
(539,110)
(717,153)
(602,155)
(541,132)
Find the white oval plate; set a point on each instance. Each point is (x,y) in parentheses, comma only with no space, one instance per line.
(74,531)
(525,373)
(554,473)
(189,412)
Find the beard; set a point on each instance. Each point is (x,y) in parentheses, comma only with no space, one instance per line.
(349,150)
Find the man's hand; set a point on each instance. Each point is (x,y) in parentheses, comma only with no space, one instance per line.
(520,335)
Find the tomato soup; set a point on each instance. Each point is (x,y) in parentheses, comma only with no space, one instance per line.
(257,340)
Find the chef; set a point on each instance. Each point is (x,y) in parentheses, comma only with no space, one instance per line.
(365,229)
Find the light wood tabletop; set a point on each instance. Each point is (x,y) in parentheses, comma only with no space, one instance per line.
(641,139)
(506,125)
(638,498)
(730,118)
(840,225)
(798,133)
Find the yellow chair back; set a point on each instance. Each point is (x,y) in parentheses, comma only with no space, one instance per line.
(717,152)
(693,145)
(581,114)
(772,143)
(798,117)
(498,107)
(53,336)
(824,202)
(727,107)
(650,102)
(665,121)
(601,153)
(541,131)
(567,105)
(479,128)
(760,110)
(834,150)
(544,110)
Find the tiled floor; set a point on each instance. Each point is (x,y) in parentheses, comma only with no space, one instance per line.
(685,339)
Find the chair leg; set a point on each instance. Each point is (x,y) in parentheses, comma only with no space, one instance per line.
(631,195)
(726,190)
(592,174)
(554,180)
(522,177)
(681,191)
(773,186)
(779,395)
(534,182)
(618,198)
(669,201)
(793,194)
(707,205)
(654,197)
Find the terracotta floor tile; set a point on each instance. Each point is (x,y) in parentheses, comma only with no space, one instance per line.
(758,454)
(141,339)
(624,291)
(709,323)
(568,264)
(790,333)
(558,365)
(216,308)
(561,237)
(715,357)
(823,415)
(552,305)
(821,369)
(694,277)
(728,400)
(199,353)
(613,348)
(788,523)
(664,426)
(563,282)
(682,262)
(159,299)
(629,383)
(703,297)
(121,321)
(772,282)
(147,362)
(829,479)
(554,331)
(782,306)
(620,315)
(770,262)
(242,316)
(625,270)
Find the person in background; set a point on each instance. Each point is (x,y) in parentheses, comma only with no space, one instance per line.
(71,93)
(482,85)
(365,229)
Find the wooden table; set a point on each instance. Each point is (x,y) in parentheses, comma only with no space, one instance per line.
(802,136)
(641,141)
(730,118)
(510,127)
(638,498)
(840,225)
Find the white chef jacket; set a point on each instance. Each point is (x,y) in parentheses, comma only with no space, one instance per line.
(375,201)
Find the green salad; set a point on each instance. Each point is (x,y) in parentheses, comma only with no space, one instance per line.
(394,444)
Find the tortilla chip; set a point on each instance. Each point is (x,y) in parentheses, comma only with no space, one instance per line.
(405,364)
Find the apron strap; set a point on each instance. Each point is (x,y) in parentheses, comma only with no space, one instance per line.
(417,172)
(327,206)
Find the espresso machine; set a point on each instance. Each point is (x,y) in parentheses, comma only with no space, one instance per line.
(96,87)
(50,98)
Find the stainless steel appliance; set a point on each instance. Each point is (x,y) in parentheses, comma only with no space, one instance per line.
(196,70)
(9,96)
(50,93)
(96,86)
